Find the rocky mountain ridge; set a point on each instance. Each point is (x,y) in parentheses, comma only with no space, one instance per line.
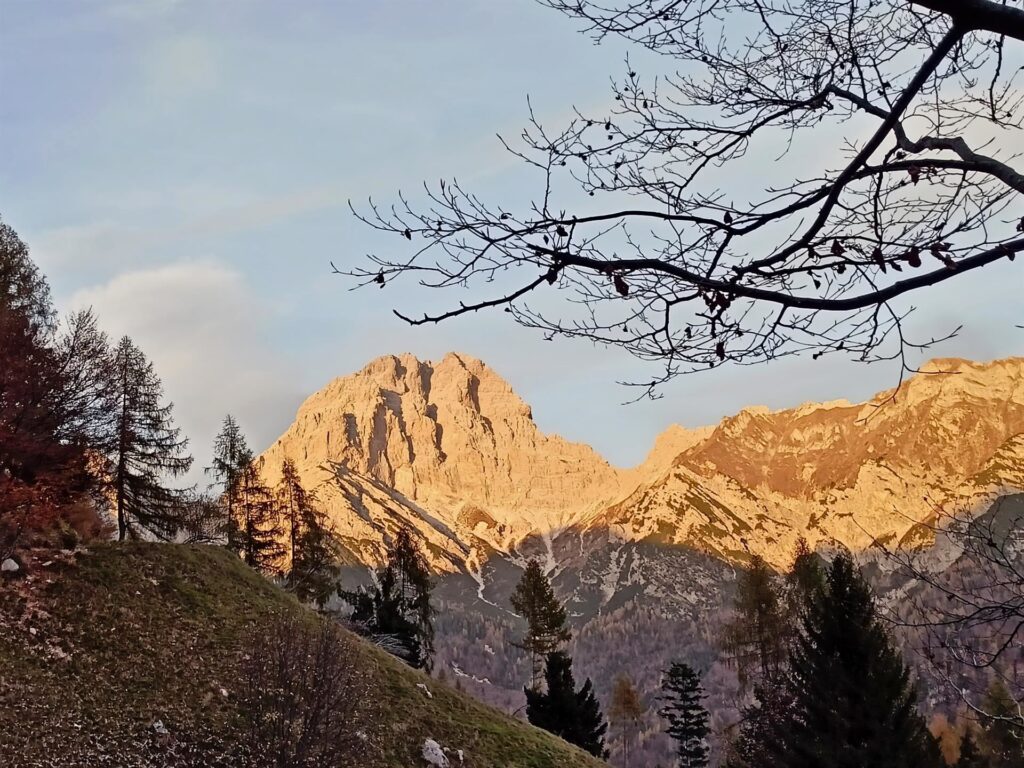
(449,449)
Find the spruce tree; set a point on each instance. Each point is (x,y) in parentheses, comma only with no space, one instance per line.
(573,715)
(805,578)
(686,716)
(147,450)
(396,612)
(851,702)
(546,628)
(625,712)
(314,548)
(231,457)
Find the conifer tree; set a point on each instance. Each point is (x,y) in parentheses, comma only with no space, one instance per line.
(850,699)
(396,612)
(294,502)
(231,457)
(573,715)
(148,449)
(44,445)
(546,627)
(805,578)
(686,716)
(314,550)
(256,522)
(970,755)
(755,639)
(625,712)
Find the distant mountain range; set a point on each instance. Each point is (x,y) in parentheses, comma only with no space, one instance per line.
(644,557)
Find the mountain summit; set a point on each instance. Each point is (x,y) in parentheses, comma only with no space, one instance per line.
(449,449)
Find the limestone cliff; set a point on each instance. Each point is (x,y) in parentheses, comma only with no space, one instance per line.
(449,449)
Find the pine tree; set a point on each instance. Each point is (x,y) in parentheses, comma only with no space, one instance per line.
(231,458)
(534,600)
(294,504)
(851,700)
(314,547)
(573,715)
(687,718)
(625,712)
(148,448)
(397,613)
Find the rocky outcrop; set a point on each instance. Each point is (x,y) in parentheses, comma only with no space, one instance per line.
(449,449)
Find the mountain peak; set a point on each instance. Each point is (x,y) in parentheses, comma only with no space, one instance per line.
(449,448)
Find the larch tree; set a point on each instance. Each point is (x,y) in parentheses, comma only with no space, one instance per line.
(851,701)
(625,712)
(45,433)
(891,126)
(546,621)
(314,549)
(148,450)
(687,718)
(231,458)
(754,639)
(256,522)
(561,709)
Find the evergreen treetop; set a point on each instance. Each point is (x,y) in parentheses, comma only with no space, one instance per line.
(687,718)
(547,629)
(147,450)
(573,715)
(851,700)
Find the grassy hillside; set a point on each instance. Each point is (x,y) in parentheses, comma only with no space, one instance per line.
(98,646)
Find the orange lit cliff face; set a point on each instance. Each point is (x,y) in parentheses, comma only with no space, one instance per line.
(449,449)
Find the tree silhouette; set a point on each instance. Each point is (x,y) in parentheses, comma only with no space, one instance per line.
(908,101)
(231,457)
(397,613)
(314,549)
(54,404)
(546,628)
(148,450)
(687,718)
(849,699)
(571,714)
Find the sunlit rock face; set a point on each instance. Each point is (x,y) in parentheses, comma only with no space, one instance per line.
(449,449)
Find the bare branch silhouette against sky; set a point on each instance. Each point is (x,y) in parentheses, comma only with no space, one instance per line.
(629,221)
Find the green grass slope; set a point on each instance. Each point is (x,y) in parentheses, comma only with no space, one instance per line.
(97,646)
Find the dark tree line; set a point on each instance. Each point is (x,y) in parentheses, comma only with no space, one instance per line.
(85,429)
(280,529)
(83,425)
(914,99)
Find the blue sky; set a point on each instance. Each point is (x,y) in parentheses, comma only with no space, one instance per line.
(184,167)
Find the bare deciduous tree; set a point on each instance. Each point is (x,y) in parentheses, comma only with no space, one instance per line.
(301,695)
(896,127)
(964,603)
